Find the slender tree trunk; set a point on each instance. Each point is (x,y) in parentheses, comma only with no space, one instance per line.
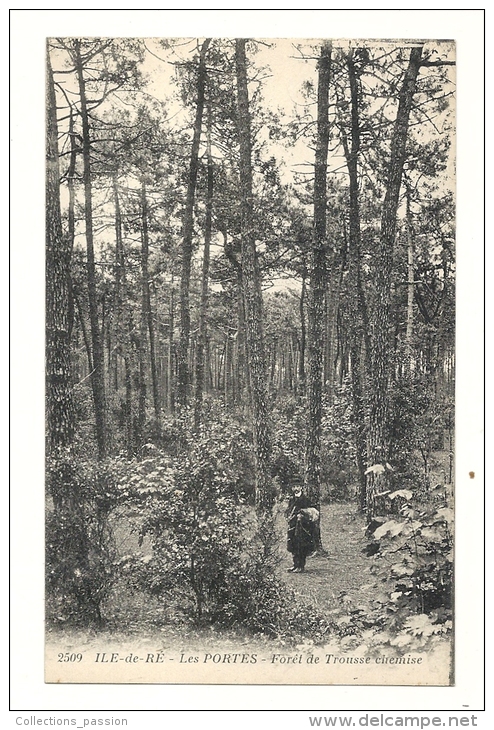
(358,316)
(146,300)
(443,353)
(203,313)
(170,395)
(303,336)
(359,422)
(59,402)
(327,341)
(98,376)
(289,361)
(381,345)
(272,357)
(252,294)
(410,286)
(318,274)
(129,425)
(183,362)
(241,362)
(71,181)
(227,370)
(118,299)
(85,334)
(123,324)
(332,307)
(71,173)
(141,407)
(354,219)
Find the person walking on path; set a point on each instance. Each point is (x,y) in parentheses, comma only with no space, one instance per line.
(302,519)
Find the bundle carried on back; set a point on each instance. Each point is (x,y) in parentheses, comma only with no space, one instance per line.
(311,514)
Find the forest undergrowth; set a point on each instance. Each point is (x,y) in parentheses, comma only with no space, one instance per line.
(339,601)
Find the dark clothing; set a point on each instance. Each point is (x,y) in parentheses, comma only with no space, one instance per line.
(300,535)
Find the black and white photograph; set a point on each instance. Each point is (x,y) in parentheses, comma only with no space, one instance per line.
(250,356)
(256,354)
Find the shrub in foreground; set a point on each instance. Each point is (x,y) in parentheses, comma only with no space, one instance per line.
(80,559)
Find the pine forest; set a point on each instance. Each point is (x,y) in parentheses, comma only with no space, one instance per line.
(250,342)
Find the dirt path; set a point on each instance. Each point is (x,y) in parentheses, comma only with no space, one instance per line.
(343,569)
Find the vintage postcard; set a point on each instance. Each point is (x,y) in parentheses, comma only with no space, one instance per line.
(250,360)
(262,425)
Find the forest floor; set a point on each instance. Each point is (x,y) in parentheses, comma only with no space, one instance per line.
(142,625)
(137,623)
(339,570)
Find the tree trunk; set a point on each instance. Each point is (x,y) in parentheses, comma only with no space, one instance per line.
(241,362)
(141,407)
(446,306)
(358,316)
(202,334)
(71,180)
(332,307)
(60,407)
(252,294)
(303,337)
(70,176)
(118,328)
(98,375)
(146,303)
(123,324)
(318,275)
(183,362)
(381,345)
(410,287)
(170,399)
(85,334)
(129,425)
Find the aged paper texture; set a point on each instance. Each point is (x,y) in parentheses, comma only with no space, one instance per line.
(372,604)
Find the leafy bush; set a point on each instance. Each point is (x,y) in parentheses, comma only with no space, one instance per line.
(358,629)
(80,550)
(416,428)
(408,604)
(209,557)
(231,440)
(205,545)
(415,554)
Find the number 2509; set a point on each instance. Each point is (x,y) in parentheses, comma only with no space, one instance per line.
(69,657)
